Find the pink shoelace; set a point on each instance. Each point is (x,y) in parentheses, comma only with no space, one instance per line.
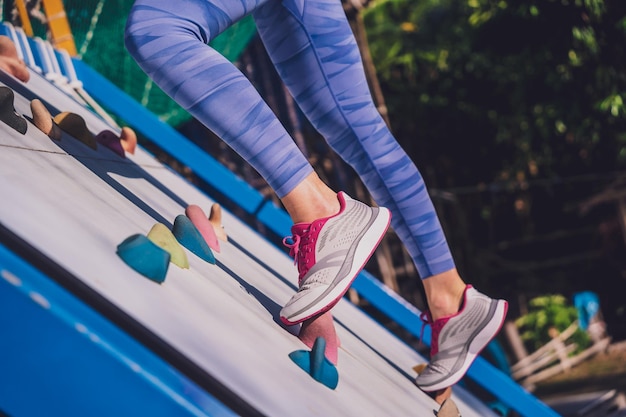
(301,246)
(435,327)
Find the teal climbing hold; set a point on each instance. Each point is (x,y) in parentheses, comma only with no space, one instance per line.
(315,364)
(145,257)
(189,236)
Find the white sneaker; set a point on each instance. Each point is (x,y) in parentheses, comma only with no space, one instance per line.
(330,252)
(458,339)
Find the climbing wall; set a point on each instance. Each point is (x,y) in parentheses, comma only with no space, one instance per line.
(72,203)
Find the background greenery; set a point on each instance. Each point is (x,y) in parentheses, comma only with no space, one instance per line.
(531,89)
(546,314)
(514,112)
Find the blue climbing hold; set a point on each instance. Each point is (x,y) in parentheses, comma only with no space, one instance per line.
(145,257)
(189,236)
(315,364)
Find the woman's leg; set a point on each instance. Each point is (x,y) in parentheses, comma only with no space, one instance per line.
(313,48)
(168,39)
(317,57)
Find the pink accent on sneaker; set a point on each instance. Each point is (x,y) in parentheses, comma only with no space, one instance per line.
(302,247)
(329,253)
(435,328)
(201,221)
(437,325)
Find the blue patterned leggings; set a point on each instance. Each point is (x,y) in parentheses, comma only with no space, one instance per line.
(313,49)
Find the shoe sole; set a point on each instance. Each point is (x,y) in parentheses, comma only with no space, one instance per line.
(362,254)
(476,346)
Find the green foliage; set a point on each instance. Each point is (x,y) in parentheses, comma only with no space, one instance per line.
(547,313)
(530,88)
(514,108)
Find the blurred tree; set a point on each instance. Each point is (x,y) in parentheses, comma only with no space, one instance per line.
(514,112)
(529,89)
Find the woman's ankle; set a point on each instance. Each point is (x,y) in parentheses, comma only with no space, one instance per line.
(444,294)
(312,199)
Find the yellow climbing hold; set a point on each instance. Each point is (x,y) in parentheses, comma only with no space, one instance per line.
(163,237)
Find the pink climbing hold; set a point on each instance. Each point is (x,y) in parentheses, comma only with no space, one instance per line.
(111,141)
(201,221)
(321,326)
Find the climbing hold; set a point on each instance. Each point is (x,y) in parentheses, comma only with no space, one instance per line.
(419,368)
(43,120)
(189,236)
(163,237)
(129,140)
(112,141)
(315,364)
(144,257)
(439,396)
(448,409)
(7,111)
(75,125)
(215,218)
(200,220)
(321,325)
